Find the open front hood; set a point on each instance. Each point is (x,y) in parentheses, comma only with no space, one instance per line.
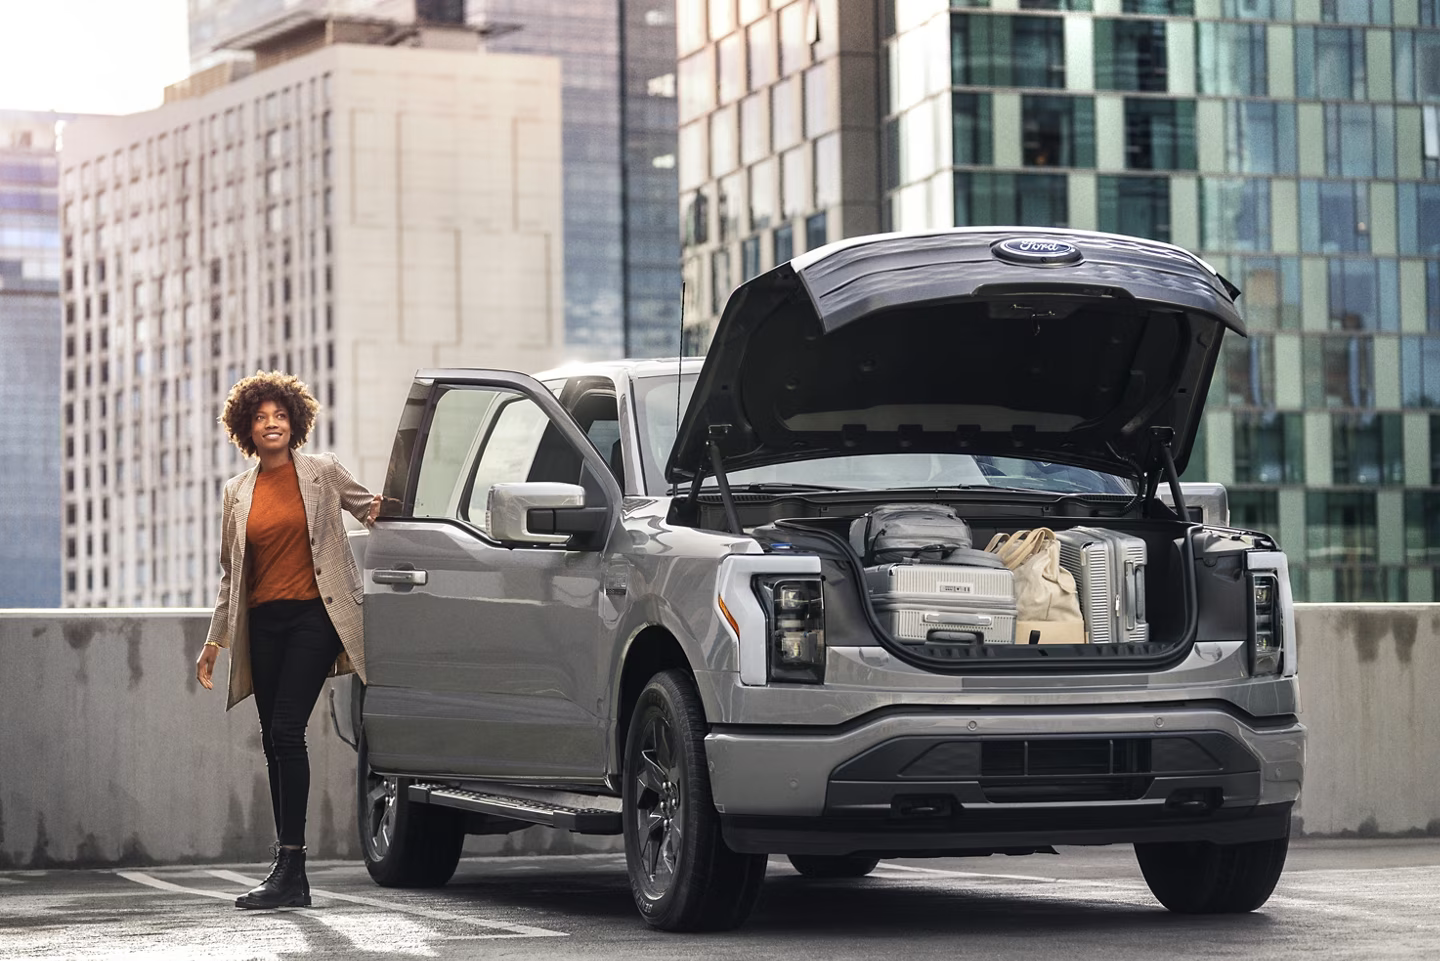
(1056,345)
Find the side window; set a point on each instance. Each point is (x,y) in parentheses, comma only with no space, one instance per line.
(508,453)
(596,414)
(455,430)
(479,437)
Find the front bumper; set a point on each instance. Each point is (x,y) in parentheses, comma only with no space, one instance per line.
(950,781)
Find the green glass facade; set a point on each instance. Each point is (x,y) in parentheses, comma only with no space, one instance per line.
(1295,144)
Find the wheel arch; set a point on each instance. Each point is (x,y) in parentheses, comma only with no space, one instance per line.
(653,649)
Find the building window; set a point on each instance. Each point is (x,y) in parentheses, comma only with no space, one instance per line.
(827,171)
(1367,449)
(1031,200)
(1033,4)
(997,51)
(1418,209)
(1417,64)
(1340,527)
(1131,55)
(1272,292)
(1159,134)
(784,120)
(972,129)
(763,206)
(1329,63)
(784,244)
(1369,584)
(1364,295)
(730,72)
(720,284)
(762,64)
(1420,371)
(1231,59)
(1259,137)
(749,258)
(1339,371)
(1235,213)
(1432,296)
(1058,131)
(1269,448)
(1430,142)
(795,195)
(1255,510)
(1435,450)
(819,117)
(1160,8)
(1250,371)
(754,128)
(695,87)
(697,219)
(1359,141)
(1422,527)
(1355,11)
(1138,206)
(816,234)
(1335,217)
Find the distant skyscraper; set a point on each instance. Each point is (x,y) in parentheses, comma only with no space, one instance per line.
(622,249)
(314,216)
(1295,144)
(30,352)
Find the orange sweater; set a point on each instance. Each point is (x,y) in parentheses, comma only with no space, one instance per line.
(281,567)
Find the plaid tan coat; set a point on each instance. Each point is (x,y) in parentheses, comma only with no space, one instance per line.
(326,487)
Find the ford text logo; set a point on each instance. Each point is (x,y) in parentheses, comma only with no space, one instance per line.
(1038,251)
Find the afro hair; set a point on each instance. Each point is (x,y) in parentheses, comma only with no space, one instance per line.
(245,399)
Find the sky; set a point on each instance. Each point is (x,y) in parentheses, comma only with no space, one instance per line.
(91,56)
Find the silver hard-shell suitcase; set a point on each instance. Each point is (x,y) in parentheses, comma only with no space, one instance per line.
(944,603)
(1109,570)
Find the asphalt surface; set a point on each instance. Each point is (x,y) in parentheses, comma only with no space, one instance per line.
(1338,899)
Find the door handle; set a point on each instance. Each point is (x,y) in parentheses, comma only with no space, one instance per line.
(413,578)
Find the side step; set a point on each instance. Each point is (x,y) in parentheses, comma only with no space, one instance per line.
(579,813)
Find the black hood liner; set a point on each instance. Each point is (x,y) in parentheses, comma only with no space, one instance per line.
(930,344)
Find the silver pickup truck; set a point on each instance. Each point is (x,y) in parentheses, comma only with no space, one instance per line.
(620,598)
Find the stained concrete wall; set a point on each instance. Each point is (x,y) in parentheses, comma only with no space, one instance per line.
(1370,695)
(111,753)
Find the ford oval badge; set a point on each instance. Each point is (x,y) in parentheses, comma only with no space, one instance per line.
(1037,252)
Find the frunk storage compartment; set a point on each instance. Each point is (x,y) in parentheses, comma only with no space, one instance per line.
(1109,570)
(958,603)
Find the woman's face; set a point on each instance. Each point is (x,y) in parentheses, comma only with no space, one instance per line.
(271,428)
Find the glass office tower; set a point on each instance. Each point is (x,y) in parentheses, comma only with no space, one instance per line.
(30,353)
(1295,144)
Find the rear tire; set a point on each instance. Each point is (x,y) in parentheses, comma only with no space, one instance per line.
(1201,877)
(682,875)
(833,865)
(405,844)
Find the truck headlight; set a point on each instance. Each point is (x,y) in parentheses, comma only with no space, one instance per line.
(1266,625)
(795,618)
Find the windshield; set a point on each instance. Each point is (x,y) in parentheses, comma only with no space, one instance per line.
(656,406)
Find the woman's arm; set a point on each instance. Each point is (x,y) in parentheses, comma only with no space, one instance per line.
(362,505)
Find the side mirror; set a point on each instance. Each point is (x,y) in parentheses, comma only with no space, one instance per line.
(542,513)
(1207,503)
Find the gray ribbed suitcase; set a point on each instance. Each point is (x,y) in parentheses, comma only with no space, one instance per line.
(944,603)
(1109,570)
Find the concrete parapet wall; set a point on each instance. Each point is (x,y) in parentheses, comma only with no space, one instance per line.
(1370,695)
(112,753)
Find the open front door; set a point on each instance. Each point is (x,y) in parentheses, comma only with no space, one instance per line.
(481,614)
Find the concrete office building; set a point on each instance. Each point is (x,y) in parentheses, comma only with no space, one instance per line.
(349,214)
(29,359)
(1295,144)
(622,250)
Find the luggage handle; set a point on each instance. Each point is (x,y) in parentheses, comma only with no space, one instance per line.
(969,620)
(939,636)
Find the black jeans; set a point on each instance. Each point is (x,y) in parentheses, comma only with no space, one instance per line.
(292,648)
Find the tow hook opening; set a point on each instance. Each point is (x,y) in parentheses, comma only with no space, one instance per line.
(914,807)
(1195,800)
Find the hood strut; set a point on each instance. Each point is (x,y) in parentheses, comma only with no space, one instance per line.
(1165,435)
(717,467)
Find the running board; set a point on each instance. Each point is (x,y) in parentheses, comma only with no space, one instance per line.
(582,814)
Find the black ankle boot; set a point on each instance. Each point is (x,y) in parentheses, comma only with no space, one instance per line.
(286,887)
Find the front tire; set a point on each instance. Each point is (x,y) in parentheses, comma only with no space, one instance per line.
(1201,877)
(682,875)
(833,865)
(405,844)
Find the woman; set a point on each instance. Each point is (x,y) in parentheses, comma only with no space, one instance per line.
(290,597)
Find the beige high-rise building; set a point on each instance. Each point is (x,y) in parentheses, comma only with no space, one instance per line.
(349,212)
